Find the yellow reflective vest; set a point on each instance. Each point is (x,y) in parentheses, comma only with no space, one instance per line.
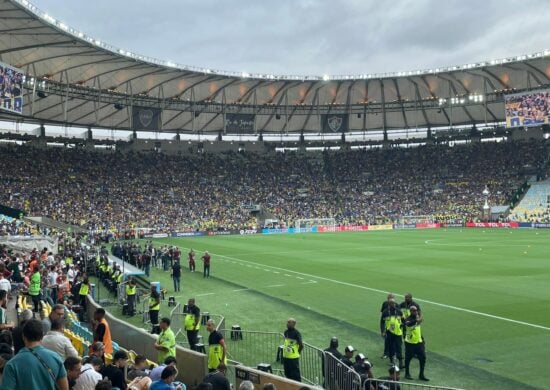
(413,334)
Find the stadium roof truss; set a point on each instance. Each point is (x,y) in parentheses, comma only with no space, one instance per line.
(74,79)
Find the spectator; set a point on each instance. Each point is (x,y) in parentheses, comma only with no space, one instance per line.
(17,333)
(156,372)
(34,288)
(57,313)
(104,384)
(217,378)
(167,378)
(89,375)
(72,366)
(139,368)
(97,349)
(4,283)
(4,359)
(4,324)
(392,378)
(246,385)
(115,371)
(56,341)
(102,331)
(35,367)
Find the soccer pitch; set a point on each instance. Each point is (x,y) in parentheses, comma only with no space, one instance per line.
(484,294)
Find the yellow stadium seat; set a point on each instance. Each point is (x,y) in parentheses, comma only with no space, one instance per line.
(108,358)
(132,356)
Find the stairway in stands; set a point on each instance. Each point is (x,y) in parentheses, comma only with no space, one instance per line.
(535,204)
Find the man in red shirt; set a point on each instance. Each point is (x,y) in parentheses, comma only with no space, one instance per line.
(206,261)
(191,260)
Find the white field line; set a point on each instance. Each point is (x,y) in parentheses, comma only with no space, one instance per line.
(479,313)
(474,243)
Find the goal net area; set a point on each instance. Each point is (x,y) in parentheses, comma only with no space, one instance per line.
(315,224)
(409,220)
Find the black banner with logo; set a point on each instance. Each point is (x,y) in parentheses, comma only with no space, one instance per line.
(145,118)
(335,123)
(239,123)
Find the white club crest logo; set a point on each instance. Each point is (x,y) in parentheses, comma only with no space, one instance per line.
(335,123)
(145,117)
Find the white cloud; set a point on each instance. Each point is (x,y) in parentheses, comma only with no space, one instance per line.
(313,37)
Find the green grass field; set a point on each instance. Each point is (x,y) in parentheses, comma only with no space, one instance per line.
(484,294)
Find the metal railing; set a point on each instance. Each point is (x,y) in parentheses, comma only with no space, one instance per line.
(386,384)
(339,376)
(311,365)
(251,348)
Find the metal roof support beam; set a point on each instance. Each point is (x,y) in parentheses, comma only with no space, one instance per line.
(312,107)
(452,86)
(538,71)
(419,98)
(405,122)
(383,96)
(366,99)
(35,46)
(286,85)
(502,83)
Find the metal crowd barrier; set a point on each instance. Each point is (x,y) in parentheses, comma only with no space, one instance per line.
(384,384)
(338,376)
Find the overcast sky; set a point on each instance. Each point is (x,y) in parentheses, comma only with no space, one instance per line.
(313,36)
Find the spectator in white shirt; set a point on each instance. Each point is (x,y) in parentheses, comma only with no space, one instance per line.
(89,375)
(4,283)
(71,274)
(56,341)
(4,324)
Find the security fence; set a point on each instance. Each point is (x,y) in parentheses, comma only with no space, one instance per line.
(386,384)
(264,350)
(339,376)
(177,323)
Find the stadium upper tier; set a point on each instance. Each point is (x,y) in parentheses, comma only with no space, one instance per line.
(75,79)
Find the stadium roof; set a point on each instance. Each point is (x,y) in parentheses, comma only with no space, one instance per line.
(75,79)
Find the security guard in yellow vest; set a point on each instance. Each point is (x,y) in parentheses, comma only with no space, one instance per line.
(406,305)
(131,290)
(217,350)
(97,265)
(292,348)
(414,343)
(392,320)
(154,309)
(192,322)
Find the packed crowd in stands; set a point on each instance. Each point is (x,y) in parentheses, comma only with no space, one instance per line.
(176,193)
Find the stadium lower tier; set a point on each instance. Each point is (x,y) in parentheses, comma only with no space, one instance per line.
(111,190)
